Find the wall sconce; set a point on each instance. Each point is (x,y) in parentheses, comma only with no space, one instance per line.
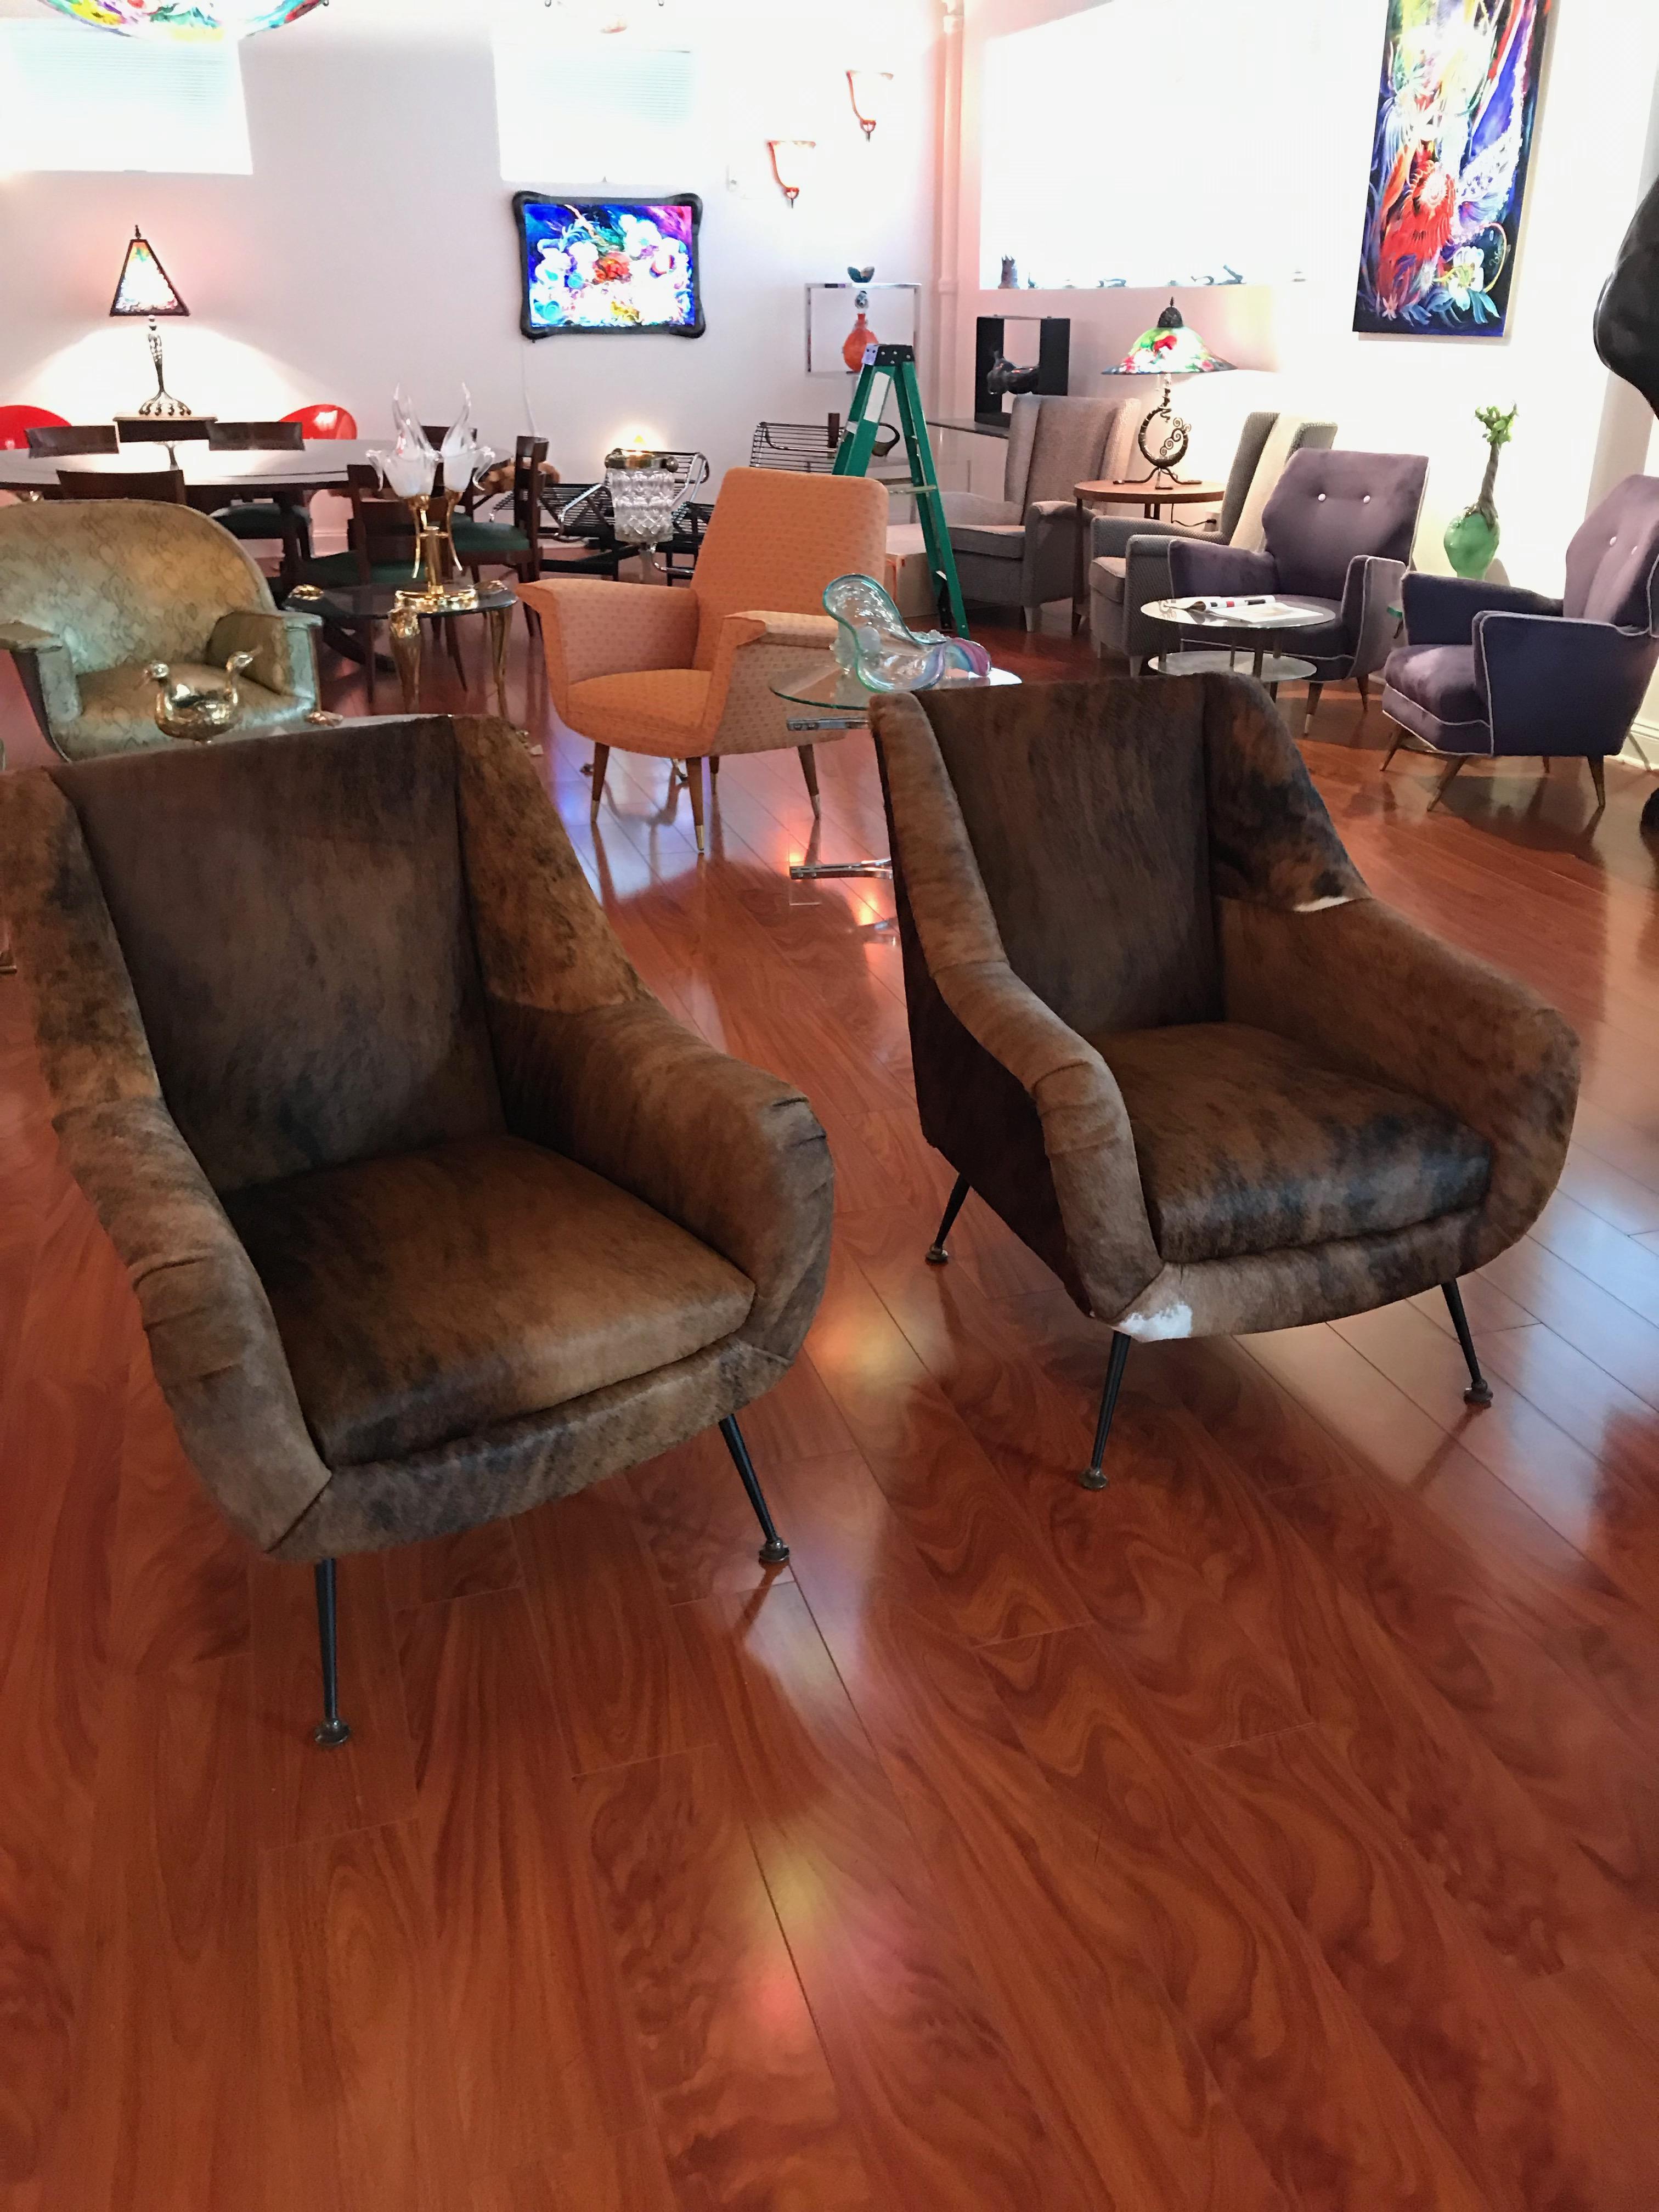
(791,159)
(869,89)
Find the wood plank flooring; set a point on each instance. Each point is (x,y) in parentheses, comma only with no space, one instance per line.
(1277,1832)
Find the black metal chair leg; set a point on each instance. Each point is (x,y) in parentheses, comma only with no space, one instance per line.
(774,1551)
(937,1254)
(1480,1390)
(1094,1479)
(332,1730)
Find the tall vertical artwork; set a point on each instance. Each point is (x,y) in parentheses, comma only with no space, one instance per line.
(1455,118)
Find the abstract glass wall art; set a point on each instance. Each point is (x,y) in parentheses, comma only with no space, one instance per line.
(187,19)
(611,265)
(1454,117)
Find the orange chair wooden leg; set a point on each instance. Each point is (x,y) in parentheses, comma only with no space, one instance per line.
(694,782)
(809,768)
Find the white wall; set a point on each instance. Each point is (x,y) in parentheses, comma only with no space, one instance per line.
(1393,393)
(374,243)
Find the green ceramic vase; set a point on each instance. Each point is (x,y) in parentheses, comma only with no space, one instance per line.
(1471,538)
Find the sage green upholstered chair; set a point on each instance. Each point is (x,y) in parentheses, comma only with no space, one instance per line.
(93,591)
(432,1211)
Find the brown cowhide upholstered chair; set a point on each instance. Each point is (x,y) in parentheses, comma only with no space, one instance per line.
(1162,1028)
(432,1210)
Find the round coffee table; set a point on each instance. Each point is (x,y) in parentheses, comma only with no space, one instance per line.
(359,606)
(839,703)
(1256,627)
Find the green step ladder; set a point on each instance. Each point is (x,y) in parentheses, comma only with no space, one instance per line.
(893,368)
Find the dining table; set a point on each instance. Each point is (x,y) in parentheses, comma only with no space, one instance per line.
(320,464)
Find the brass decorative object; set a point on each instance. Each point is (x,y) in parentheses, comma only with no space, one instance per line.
(186,710)
(444,588)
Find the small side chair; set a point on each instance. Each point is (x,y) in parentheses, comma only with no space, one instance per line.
(1160,1026)
(432,1211)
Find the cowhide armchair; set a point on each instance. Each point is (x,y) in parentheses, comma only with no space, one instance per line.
(1159,1025)
(433,1211)
(93,591)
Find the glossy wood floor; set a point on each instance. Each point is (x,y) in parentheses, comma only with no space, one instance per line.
(1279,1829)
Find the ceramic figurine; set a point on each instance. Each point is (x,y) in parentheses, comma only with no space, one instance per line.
(1472,538)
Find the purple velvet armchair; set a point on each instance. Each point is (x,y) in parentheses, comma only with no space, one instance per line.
(1338,531)
(1488,670)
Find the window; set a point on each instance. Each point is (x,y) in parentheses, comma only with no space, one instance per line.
(84,100)
(589,114)
(1158,141)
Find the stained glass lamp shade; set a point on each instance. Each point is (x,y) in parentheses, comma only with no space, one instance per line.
(1169,348)
(146,289)
(187,19)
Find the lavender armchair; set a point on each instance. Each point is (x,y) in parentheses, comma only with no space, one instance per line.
(1338,532)
(1488,670)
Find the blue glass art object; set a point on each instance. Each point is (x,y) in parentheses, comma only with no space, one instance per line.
(875,645)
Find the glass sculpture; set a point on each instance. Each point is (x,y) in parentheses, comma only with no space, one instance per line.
(875,645)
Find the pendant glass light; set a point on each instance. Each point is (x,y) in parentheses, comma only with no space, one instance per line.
(187,19)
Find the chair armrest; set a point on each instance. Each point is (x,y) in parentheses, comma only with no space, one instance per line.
(1371,993)
(1371,595)
(743,712)
(1086,1137)
(282,645)
(213,1338)
(977,507)
(1197,568)
(1111,535)
(590,627)
(1053,527)
(47,671)
(1555,686)
(1441,610)
(731,1153)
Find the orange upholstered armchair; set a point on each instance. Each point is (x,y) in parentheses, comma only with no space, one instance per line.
(686,675)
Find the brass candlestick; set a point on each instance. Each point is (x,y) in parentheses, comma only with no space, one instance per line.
(443,589)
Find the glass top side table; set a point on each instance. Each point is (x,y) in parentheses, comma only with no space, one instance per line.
(840,701)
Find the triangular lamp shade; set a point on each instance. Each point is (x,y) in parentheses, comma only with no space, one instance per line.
(145,289)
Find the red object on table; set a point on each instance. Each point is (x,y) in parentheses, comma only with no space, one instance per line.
(324,421)
(16,422)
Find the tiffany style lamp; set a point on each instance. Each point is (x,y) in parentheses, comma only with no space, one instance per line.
(146,289)
(1169,348)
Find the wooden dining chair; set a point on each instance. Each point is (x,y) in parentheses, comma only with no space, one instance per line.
(165,485)
(50,438)
(256,437)
(283,517)
(515,546)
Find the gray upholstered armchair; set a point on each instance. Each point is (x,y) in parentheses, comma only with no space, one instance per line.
(1337,531)
(1129,557)
(93,591)
(1488,670)
(1020,550)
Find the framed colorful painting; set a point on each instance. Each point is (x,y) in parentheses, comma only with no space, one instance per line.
(1455,118)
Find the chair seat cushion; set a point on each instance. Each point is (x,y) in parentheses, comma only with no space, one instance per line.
(118,708)
(332,570)
(489,541)
(428,1296)
(1247,1143)
(258,519)
(996,540)
(649,710)
(1440,680)
(1108,577)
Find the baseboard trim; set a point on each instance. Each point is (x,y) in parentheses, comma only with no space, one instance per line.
(1641,747)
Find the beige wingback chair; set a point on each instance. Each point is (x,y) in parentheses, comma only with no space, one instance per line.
(93,591)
